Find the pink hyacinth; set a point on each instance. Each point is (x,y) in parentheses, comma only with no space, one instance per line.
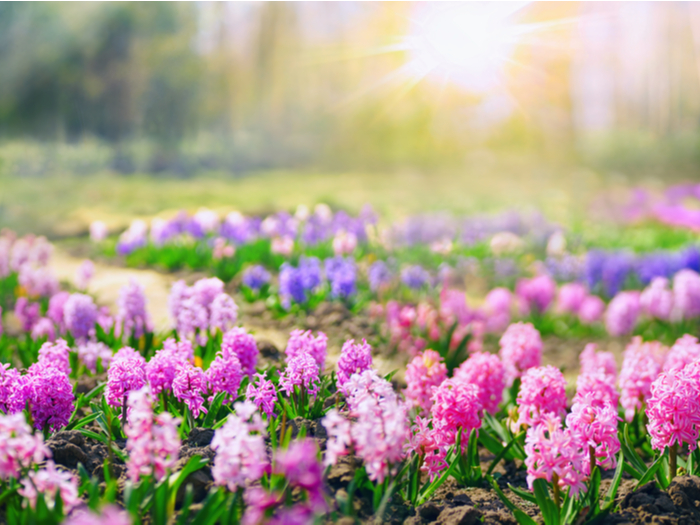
(108,515)
(622,314)
(542,392)
(427,442)
(126,373)
(497,306)
(152,440)
(685,351)
(591,310)
(595,427)
(302,372)
(570,298)
(641,365)
(92,352)
(43,328)
(673,408)
(80,315)
(456,406)
(423,374)
(339,437)
(261,391)
(19,448)
(379,430)
(489,374)
(51,481)
(132,319)
(50,396)
(55,355)
(304,341)
(83,274)
(657,300)
(241,344)
(9,377)
(301,468)
(593,362)
(354,358)
(554,454)
(521,349)
(240,448)
(223,313)
(536,294)
(162,367)
(225,375)
(190,385)
(599,387)
(686,294)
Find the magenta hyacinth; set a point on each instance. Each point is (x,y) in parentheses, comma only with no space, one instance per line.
(354,358)
(162,367)
(302,372)
(536,294)
(423,374)
(622,313)
(673,408)
(304,341)
(126,373)
(190,386)
(555,454)
(240,448)
(261,391)
(657,300)
(542,392)
(240,343)
(152,440)
(132,319)
(521,349)
(50,396)
(225,375)
(456,406)
(599,387)
(55,355)
(595,428)
(489,374)
(301,468)
(684,351)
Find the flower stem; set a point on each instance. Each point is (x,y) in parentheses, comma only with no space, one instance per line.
(123,414)
(591,458)
(555,487)
(673,461)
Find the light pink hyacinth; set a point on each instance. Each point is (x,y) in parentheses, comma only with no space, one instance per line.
(19,447)
(152,440)
(51,481)
(686,294)
(521,349)
(542,392)
(570,298)
(423,374)
(304,341)
(108,515)
(641,365)
(489,374)
(657,299)
(595,427)
(591,310)
(622,314)
(554,451)
(261,392)
(684,351)
(301,372)
(240,448)
(673,408)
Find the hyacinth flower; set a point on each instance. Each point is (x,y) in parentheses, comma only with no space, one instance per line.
(108,515)
(488,372)
(92,353)
(424,373)
(595,426)
(132,320)
(48,393)
(240,343)
(303,341)
(126,373)
(300,381)
(542,392)
(50,482)
(622,313)
(79,316)
(521,349)
(685,350)
(190,386)
(354,358)
(641,365)
(262,393)
(673,410)
(536,294)
(19,447)
(224,375)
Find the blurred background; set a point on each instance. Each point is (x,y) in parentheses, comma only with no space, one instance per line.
(121,110)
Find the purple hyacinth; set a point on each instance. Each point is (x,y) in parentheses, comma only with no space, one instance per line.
(225,375)
(301,371)
(296,283)
(223,313)
(304,342)
(55,311)
(354,358)
(255,277)
(55,355)
(50,397)
(132,318)
(190,385)
(379,275)
(261,391)
(342,274)
(126,373)
(241,344)
(415,277)
(80,315)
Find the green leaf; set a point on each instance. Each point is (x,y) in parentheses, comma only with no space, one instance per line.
(524,494)
(504,451)
(632,457)
(550,512)
(609,500)
(195,463)
(210,419)
(650,472)
(523,519)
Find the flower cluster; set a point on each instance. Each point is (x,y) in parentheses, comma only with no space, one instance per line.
(521,349)
(542,392)
(354,358)
(301,372)
(126,373)
(304,342)
(239,343)
(423,374)
(132,318)
(489,374)
(640,367)
(261,392)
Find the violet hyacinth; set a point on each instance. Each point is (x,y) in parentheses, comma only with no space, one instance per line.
(424,373)
(240,448)
(489,374)
(55,355)
(127,372)
(354,358)
(225,375)
(302,372)
(92,352)
(379,275)
(622,313)
(132,319)
(303,341)
(240,343)
(190,385)
(521,349)
(19,447)
(255,277)
(555,454)
(152,440)
(342,275)
(640,367)
(261,391)
(80,315)
(51,481)
(595,428)
(542,391)
(415,277)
